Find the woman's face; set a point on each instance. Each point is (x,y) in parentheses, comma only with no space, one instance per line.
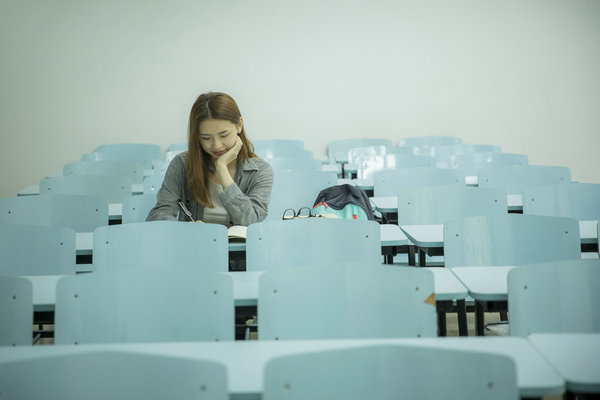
(217,136)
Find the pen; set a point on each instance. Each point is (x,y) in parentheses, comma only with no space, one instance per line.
(186,211)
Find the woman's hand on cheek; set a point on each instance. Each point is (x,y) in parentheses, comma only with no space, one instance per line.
(231,154)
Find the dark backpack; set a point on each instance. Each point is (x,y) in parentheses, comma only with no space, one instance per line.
(344,201)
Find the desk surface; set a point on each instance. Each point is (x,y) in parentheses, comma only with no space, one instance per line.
(389,204)
(245,287)
(485,283)
(245,360)
(575,356)
(391,235)
(446,285)
(33,190)
(433,235)
(367,183)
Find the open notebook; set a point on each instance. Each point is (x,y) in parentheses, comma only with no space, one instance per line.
(237,233)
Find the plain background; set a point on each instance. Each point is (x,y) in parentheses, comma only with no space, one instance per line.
(522,74)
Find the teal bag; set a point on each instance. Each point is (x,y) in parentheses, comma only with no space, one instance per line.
(349,211)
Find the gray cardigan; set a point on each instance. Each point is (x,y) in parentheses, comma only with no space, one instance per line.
(246,200)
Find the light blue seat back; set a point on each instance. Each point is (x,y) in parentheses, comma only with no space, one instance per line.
(137,207)
(36,250)
(296,189)
(366,168)
(340,147)
(390,372)
(139,157)
(511,239)
(280,244)
(418,141)
(517,178)
(439,204)
(356,154)
(113,188)
(575,200)
(112,374)
(555,297)
(82,213)
(293,163)
(153,183)
(390,182)
(472,163)
(397,161)
(443,153)
(106,168)
(16,312)
(158,305)
(277,144)
(161,244)
(269,153)
(170,155)
(159,167)
(343,302)
(153,149)
(368,159)
(178,147)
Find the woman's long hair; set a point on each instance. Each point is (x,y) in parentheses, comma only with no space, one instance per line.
(212,105)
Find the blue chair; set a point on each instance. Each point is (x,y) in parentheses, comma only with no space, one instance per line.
(472,163)
(113,188)
(368,159)
(279,244)
(36,250)
(159,167)
(178,147)
(144,158)
(342,302)
(296,189)
(390,182)
(158,305)
(270,153)
(555,297)
(397,161)
(112,374)
(337,150)
(153,183)
(153,149)
(511,239)
(443,153)
(517,178)
(430,141)
(161,244)
(82,213)
(440,204)
(16,313)
(294,163)
(357,154)
(170,155)
(575,200)
(106,168)
(137,207)
(387,372)
(366,168)
(277,144)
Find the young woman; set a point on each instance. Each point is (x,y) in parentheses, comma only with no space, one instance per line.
(219,179)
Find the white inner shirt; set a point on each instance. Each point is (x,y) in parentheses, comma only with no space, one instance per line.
(218,214)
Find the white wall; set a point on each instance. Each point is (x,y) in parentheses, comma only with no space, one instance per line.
(521,74)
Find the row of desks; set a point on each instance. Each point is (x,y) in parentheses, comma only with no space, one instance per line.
(546,364)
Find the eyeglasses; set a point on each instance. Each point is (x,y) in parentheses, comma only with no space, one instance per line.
(303,212)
